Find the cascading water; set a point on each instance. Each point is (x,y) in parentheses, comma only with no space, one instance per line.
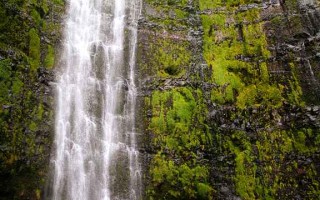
(95,139)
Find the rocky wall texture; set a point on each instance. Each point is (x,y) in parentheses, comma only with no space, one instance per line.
(231,99)
(29,33)
(169,58)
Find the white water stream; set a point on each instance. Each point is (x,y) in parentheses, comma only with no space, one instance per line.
(95,154)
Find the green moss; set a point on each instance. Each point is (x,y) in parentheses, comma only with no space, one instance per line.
(179,130)
(175,181)
(49,60)
(5,19)
(168,2)
(34,49)
(171,58)
(181,14)
(237,54)
(45,7)
(205,191)
(33,126)
(38,194)
(5,69)
(58,2)
(244,171)
(235,48)
(247,97)
(209,4)
(268,180)
(36,17)
(40,112)
(23,152)
(17,86)
(295,93)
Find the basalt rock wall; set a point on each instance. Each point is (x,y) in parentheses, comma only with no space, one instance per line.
(230,99)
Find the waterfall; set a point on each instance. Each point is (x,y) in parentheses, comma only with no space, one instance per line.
(95,153)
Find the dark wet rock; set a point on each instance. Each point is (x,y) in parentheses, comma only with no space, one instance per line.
(225,190)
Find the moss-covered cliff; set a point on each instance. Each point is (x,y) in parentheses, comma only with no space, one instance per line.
(231,97)
(229,105)
(29,31)
(175,108)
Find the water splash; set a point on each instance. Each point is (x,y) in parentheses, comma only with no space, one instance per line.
(96,153)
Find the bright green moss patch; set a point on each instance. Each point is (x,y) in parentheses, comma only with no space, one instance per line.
(169,14)
(237,54)
(263,170)
(36,17)
(178,181)
(172,59)
(212,4)
(174,113)
(179,133)
(181,14)
(33,126)
(256,95)
(166,57)
(247,97)
(45,7)
(168,2)
(34,49)
(40,112)
(17,85)
(58,2)
(295,93)
(49,60)
(209,4)
(251,85)
(166,48)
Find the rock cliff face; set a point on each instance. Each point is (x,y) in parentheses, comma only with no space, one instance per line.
(29,32)
(231,95)
(229,104)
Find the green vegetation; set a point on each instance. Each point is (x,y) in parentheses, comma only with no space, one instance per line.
(171,58)
(24,111)
(258,146)
(180,134)
(168,2)
(34,49)
(272,178)
(166,49)
(263,134)
(166,58)
(49,61)
(235,48)
(237,54)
